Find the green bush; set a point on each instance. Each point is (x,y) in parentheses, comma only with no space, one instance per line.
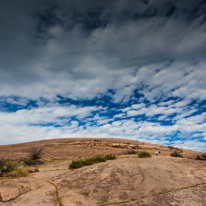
(32,162)
(76,164)
(175,154)
(94,160)
(201,157)
(109,157)
(81,163)
(8,165)
(143,154)
(14,168)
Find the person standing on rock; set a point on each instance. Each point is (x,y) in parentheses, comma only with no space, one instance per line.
(156,152)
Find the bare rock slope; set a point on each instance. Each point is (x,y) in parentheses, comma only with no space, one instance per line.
(159,180)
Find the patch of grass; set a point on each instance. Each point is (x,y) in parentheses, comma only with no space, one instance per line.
(201,157)
(23,172)
(94,160)
(16,168)
(7,166)
(175,154)
(81,163)
(143,154)
(15,173)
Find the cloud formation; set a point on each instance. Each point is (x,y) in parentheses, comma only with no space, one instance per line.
(103,68)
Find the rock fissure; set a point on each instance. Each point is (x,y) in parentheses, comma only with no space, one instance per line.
(56,190)
(160,193)
(57,193)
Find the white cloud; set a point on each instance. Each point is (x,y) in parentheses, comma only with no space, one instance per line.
(118,58)
(118,115)
(138,106)
(45,115)
(167,103)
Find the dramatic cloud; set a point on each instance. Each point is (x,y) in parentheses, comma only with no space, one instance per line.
(126,68)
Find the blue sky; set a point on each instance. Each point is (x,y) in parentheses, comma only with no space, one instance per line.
(90,68)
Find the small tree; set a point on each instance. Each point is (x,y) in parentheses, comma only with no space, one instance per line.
(35,152)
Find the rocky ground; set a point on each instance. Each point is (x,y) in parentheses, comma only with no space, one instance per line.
(159,180)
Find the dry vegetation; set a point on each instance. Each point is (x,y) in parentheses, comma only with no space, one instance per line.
(19,168)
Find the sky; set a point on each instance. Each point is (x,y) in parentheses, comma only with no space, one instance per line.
(103,68)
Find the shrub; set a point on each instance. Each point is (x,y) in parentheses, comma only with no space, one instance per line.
(175,154)
(15,168)
(36,170)
(2,163)
(143,154)
(198,157)
(14,164)
(109,157)
(32,162)
(8,165)
(81,163)
(23,172)
(15,173)
(35,153)
(76,164)
(94,160)
(131,152)
(89,161)
(201,157)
